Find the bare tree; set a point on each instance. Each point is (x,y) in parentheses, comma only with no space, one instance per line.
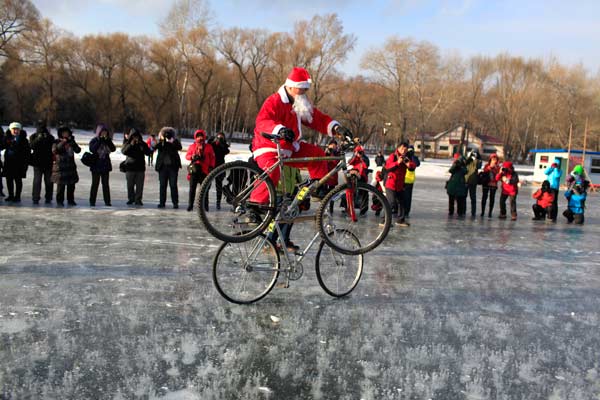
(320,45)
(16,17)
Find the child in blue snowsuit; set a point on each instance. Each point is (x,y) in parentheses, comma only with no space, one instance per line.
(576,198)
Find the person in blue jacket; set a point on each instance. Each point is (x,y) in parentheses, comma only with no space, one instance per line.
(575,210)
(553,172)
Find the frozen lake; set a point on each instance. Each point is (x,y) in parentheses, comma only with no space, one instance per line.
(118,303)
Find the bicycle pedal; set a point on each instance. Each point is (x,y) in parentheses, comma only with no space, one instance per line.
(283,285)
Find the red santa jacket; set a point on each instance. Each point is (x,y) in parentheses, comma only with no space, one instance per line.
(276,113)
(206,153)
(396,172)
(544,199)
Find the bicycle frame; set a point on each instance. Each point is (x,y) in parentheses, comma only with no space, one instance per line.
(291,263)
(281,161)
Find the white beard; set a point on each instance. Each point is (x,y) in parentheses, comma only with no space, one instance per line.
(303,108)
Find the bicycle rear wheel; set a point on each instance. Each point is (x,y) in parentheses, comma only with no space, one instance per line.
(337,273)
(223,203)
(352,217)
(246,272)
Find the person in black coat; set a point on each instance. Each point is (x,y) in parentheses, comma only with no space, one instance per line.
(379,159)
(134,166)
(16,160)
(221,149)
(64,169)
(41,160)
(1,141)
(168,165)
(102,145)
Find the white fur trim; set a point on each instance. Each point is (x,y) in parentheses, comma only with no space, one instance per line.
(300,85)
(330,127)
(277,129)
(264,150)
(283,95)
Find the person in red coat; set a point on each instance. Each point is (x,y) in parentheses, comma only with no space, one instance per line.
(510,188)
(202,156)
(489,183)
(543,205)
(284,113)
(395,170)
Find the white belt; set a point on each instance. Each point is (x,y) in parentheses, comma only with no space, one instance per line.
(284,153)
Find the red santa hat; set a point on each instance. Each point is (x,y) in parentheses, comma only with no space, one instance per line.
(298,78)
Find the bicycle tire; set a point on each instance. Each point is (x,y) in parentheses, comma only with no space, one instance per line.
(245,284)
(371,232)
(231,222)
(337,274)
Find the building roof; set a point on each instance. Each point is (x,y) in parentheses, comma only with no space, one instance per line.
(488,139)
(564,151)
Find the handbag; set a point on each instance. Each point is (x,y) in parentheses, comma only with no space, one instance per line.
(193,169)
(88,159)
(483,178)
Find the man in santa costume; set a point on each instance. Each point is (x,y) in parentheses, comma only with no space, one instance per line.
(283,113)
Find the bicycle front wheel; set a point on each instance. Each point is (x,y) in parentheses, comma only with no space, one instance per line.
(345,210)
(337,273)
(224,205)
(246,272)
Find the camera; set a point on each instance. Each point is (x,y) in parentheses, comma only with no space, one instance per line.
(405,159)
(504,169)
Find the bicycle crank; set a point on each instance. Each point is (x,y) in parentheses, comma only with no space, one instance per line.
(296,271)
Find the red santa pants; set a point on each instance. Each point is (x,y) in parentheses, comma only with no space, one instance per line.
(316,169)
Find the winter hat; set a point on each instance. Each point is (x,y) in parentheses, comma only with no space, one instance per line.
(167,132)
(62,129)
(545,186)
(298,78)
(15,125)
(578,169)
(494,155)
(507,165)
(200,132)
(100,128)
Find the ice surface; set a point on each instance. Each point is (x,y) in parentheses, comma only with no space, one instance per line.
(118,303)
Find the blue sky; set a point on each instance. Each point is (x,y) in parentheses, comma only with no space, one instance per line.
(567,30)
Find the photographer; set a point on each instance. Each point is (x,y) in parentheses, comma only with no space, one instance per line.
(202,156)
(135,166)
(167,165)
(102,145)
(221,149)
(41,160)
(456,188)
(510,189)
(64,169)
(409,181)
(473,165)
(395,171)
(16,160)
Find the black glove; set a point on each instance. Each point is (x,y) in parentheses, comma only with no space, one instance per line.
(287,134)
(196,158)
(343,132)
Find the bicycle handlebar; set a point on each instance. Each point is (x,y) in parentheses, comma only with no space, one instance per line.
(347,143)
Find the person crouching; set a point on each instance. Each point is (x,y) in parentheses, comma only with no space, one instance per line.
(575,210)
(543,206)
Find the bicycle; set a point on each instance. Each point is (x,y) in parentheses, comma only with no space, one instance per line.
(245,272)
(240,220)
